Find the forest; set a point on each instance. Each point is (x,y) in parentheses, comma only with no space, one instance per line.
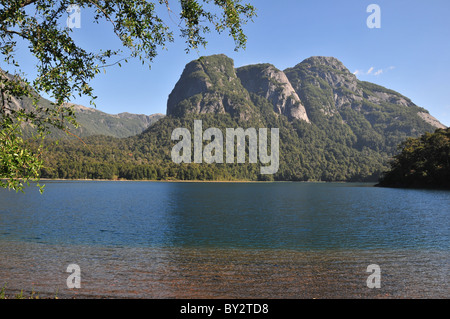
(306,154)
(423,162)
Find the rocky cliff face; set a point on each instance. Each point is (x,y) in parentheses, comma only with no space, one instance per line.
(315,91)
(267,81)
(210,85)
(340,89)
(328,75)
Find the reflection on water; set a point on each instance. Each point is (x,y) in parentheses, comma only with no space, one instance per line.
(225,240)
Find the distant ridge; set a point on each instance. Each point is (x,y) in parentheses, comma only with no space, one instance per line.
(94,122)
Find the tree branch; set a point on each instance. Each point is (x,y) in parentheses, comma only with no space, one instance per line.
(16,33)
(27,2)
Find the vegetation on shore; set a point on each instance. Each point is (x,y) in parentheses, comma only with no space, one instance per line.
(423,162)
(21,295)
(306,154)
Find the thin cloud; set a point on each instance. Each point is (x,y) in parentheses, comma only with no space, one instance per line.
(371,71)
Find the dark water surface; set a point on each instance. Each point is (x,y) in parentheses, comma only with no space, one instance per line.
(225,240)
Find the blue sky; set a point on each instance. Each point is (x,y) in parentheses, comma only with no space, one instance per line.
(410,53)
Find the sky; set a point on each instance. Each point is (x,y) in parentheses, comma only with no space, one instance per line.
(409,53)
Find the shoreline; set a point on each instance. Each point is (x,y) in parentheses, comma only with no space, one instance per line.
(145,180)
(191,181)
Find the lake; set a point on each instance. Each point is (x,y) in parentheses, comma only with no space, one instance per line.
(225,240)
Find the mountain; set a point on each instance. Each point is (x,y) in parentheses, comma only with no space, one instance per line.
(213,85)
(332,126)
(210,85)
(92,121)
(95,122)
(319,90)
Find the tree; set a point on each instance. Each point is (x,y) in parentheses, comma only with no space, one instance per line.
(422,162)
(64,69)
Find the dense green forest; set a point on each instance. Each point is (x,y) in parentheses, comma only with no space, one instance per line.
(423,162)
(306,154)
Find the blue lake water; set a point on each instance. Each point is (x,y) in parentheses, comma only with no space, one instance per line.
(193,230)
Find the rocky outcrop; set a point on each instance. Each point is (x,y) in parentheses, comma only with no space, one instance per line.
(269,82)
(331,77)
(210,85)
(431,120)
(332,71)
(327,87)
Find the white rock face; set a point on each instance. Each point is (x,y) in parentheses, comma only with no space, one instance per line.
(431,120)
(282,94)
(272,84)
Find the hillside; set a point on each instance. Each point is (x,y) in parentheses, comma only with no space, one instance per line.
(95,122)
(92,121)
(333,127)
